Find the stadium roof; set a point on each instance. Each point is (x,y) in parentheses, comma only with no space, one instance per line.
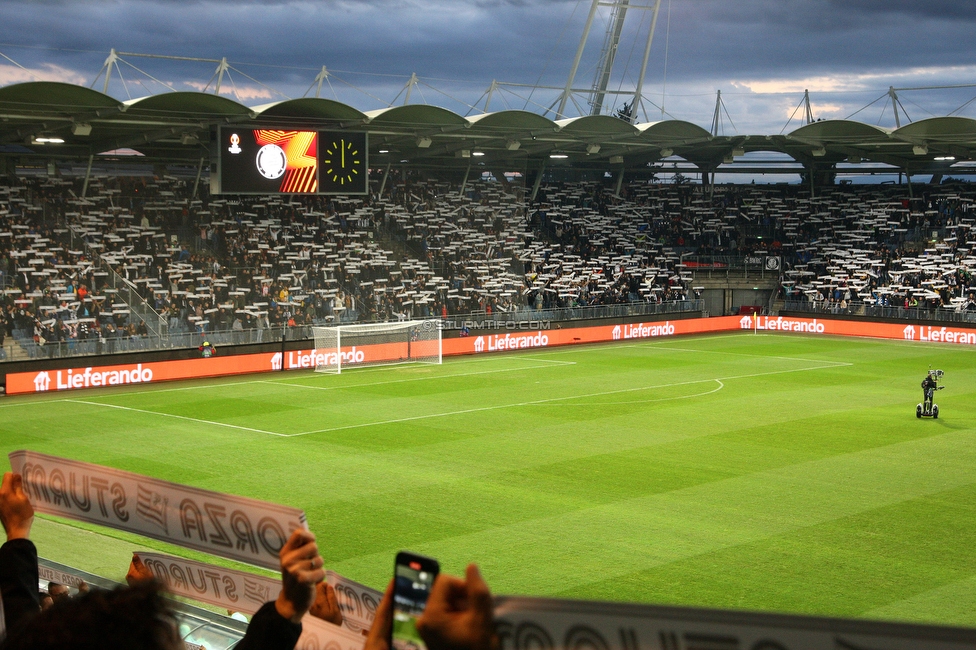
(179,127)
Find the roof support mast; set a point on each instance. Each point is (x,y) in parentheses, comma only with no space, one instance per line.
(894,105)
(320,77)
(608,56)
(221,69)
(561,113)
(638,98)
(112,60)
(717,118)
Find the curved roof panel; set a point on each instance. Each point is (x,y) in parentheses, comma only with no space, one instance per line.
(54,94)
(672,130)
(596,125)
(840,130)
(159,126)
(311,107)
(417,115)
(190,103)
(940,128)
(513,121)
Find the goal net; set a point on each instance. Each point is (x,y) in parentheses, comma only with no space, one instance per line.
(374,344)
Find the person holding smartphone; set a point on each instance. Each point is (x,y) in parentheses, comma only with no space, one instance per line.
(456,615)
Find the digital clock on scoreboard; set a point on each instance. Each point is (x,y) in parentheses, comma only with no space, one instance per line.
(343,163)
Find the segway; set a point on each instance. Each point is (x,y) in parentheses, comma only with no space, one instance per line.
(928,408)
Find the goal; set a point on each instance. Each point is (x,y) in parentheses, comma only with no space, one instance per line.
(375,344)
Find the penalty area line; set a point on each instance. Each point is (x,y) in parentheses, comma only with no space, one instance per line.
(550,400)
(412,379)
(178,417)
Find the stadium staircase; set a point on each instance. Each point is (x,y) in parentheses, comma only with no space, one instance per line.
(13,351)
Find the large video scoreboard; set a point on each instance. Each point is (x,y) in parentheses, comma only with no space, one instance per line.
(281,161)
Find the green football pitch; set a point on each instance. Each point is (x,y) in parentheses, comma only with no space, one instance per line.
(776,472)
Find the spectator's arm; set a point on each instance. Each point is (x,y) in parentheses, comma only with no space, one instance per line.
(18,557)
(301,570)
(269,631)
(277,625)
(16,511)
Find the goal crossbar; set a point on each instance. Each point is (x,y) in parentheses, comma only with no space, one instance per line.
(371,344)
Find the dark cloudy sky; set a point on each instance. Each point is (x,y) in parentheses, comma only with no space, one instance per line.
(760,53)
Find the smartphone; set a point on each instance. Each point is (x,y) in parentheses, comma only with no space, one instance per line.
(413,577)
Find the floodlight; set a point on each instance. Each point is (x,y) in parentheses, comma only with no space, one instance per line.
(513,145)
(592,148)
(424,141)
(81,129)
(822,151)
(667,151)
(920,149)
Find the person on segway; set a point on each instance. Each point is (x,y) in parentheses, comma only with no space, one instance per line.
(929,385)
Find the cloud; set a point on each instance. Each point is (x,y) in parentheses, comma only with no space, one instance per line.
(11,74)
(235,91)
(849,51)
(866,81)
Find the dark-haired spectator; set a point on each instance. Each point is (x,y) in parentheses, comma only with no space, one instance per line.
(127,617)
(58,591)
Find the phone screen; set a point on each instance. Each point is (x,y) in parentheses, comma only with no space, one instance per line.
(412,583)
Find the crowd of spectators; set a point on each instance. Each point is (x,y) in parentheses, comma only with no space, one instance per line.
(880,251)
(137,257)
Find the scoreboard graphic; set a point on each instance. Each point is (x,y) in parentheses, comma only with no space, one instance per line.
(279,161)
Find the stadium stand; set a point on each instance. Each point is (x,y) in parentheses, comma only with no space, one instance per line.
(140,258)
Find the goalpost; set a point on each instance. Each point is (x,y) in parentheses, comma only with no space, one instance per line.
(375,344)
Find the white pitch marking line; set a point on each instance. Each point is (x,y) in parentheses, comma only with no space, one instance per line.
(178,417)
(561,363)
(401,381)
(550,400)
(217,384)
(662,399)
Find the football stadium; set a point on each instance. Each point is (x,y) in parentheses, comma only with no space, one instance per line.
(667,385)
